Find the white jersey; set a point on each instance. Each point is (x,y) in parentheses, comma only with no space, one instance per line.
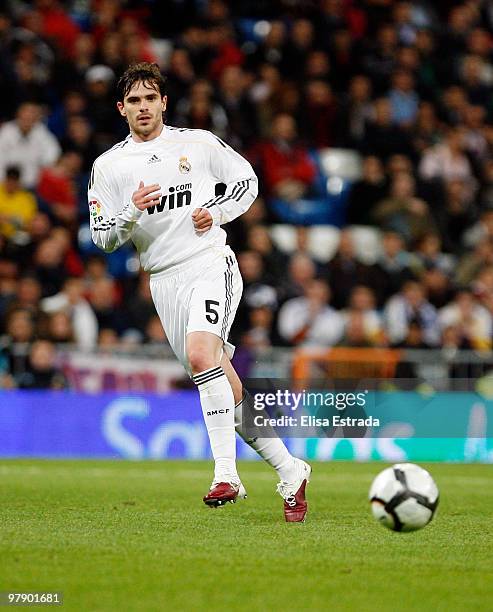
(187,164)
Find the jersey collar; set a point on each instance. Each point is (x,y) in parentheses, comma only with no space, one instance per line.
(147,142)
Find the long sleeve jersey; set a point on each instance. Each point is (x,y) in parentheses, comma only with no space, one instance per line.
(187,164)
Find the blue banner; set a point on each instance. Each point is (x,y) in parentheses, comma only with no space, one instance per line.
(149,426)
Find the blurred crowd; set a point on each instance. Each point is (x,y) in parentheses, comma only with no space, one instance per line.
(407,85)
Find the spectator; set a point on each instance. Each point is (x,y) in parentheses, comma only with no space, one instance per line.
(17,206)
(240,111)
(476,78)
(56,25)
(287,169)
(403,99)
(382,137)
(263,94)
(139,307)
(27,144)
(309,320)
(367,192)
(272,49)
(104,301)
(71,259)
(80,139)
(257,292)
(447,160)
(356,111)
(73,104)
(409,372)
(473,261)
(426,132)
(72,68)
(27,296)
(355,333)
(362,323)
(428,254)
(154,332)
(320,114)
(260,334)
(471,320)
(181,74)
(199,111)
(15,345)
(108,341)
(301,271)
(317,66)
(379,60)
(453,105)
(402,211)
(437,286)
(59,328)
(42,372)
(259,241)
(410,306)
(475,143)
(100,107)
(402,17)
(481,230)
(393,266)
(344,55)
(298,46)
(49,266)
(57,188)
(456,215)
(224,49)
(72,302)
(345,271)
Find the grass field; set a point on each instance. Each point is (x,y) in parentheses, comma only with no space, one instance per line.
(135,536)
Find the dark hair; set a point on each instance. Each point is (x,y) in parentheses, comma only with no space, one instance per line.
(144,72)
(13,172)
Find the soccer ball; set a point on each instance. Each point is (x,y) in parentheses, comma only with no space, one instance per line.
(404,497)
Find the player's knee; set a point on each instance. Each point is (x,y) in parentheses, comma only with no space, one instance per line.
(201,359)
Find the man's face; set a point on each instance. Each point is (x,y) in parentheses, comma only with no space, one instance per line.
(27,116)
(143,108)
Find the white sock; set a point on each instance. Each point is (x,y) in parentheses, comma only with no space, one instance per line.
(216,397)
(272,450)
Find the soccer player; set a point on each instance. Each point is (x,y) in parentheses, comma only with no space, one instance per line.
(157,188)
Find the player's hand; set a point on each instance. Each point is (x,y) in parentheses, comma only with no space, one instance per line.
(146,196)
(202,220)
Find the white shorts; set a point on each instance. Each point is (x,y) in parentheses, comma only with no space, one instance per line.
(201,294)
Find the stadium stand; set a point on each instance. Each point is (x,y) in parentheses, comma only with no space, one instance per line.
(369,123)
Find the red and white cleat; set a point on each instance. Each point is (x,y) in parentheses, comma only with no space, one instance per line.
(221,493)
(293,493)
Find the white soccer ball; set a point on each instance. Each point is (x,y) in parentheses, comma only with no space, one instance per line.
(404,497)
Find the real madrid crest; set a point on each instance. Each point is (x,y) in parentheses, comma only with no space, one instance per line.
(184,165)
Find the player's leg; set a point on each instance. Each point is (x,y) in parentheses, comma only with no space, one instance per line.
(172,297)
(294,473)
(213,301)
(271,449)
(216,397)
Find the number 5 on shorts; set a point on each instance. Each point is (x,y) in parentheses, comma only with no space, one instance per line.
(210,314)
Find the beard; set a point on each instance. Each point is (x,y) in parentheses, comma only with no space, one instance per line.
(144,128)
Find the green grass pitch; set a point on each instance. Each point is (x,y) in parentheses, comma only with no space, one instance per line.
(135,536)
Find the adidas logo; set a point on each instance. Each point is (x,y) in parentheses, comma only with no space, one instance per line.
(154,159)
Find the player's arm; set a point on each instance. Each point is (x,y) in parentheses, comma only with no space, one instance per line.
(230,168)
(112,221)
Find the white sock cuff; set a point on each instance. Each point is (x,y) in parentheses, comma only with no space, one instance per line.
(208,375)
